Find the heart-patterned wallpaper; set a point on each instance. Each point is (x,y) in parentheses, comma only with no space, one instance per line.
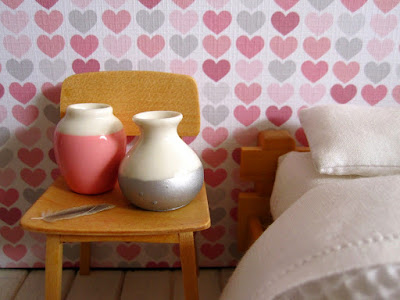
(256,62)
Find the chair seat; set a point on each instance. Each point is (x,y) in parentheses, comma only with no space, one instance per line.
(124,219)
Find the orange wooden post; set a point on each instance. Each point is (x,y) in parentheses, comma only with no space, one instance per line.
(189,265)
(54,250)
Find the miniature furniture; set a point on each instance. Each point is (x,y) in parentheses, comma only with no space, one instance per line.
(128,92)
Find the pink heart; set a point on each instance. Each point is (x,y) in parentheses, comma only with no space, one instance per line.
(216,71)
(49,22)
(214,178)
(216,46)
(151,46)
(25,115)
(1,90)
(353,5)
(214,158)
(380,49)
(13,235)
(312,94)
(13,4)
(250,47)
(115,3)
(116,22)
(39,251)
(212,251)
(14,22)
(79,66)
(183,3)
(383,25)
(81,3)
(24,93)
(150,3)
(215,137)
(128,252)
(248,94)
(301,137)
(7,176)
(249,70)
(283,47)
(280,94)
(217,22)
(29,136)
(117,46)
(316,48)
(52,92)
(286,4)
(10,216)
(51,46)
(183,21)
(318,24)
(17,46)
(396,93)
(50,133)
(342,94)
(188,67)
(8,197)
(15,252)
(3,113)
(314,72)
(386,5)
(245,136)
(217,4)
(285,24)
(33,178)
(345,72)
(47,3)
(373,95)
(278,116)
(246,116)
(84,46)
(30,157)
(214,233)
(40,237)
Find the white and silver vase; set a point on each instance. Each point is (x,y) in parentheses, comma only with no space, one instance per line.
(161,172)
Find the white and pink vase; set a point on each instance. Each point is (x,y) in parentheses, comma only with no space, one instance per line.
(89,144)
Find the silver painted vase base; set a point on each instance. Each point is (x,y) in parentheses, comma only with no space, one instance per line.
(163,195)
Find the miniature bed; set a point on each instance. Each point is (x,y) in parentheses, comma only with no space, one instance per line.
(322,224)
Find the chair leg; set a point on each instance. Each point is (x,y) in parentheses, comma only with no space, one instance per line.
(84,263)
(54,255)
(189,265)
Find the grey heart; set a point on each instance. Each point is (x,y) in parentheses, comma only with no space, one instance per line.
(183,46)
(132,265)
(349,24)
(31,195)
(216,93)
(150,21)
(52,113)
(347,49)
(320,4)
(215,116)
(156,251)
(6,155)
(251,22)
(376,72)
(155,65)
(233,250)
(71,251)
(52,69)
(215,195)
(20,70)
(82,21)
(282,71)
(252,4)
(4,135)
(398,71)
(113,65)
(217,215)
(101,251)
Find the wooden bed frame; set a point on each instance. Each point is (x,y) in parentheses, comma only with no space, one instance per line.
(258,164)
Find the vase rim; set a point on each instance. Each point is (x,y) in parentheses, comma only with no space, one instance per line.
(157,115)
(89,106)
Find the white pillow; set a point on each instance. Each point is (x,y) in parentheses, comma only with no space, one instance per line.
(353,140)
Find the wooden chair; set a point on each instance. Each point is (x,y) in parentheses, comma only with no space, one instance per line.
(129,92)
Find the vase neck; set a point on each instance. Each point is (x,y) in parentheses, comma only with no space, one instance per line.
(158,122)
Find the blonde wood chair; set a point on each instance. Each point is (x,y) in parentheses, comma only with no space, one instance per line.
(129,92)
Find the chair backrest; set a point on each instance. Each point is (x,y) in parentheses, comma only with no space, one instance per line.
(132,92)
